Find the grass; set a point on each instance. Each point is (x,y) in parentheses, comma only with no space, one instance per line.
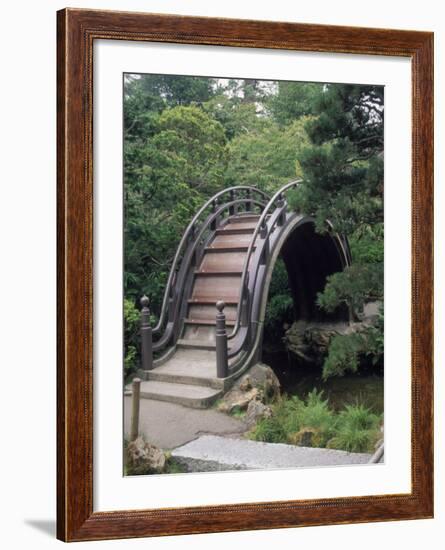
(313,423)
(237,412)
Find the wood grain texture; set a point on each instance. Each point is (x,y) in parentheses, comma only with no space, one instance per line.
(77,30)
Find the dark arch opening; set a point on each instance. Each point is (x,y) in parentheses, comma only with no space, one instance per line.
(310,258)
(307,258)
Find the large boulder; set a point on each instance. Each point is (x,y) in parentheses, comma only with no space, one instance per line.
(310,341)
(262,377)
(144,458)
(237,400)
(260,384)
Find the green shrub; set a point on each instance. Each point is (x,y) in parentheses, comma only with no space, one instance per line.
(354,286)
(343,355)
(275,428)
(347,351)
(357,431)
(317,415)
(279,308)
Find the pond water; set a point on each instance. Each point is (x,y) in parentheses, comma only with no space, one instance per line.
(299,379)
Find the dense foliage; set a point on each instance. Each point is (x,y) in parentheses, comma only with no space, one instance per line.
(343,183)
(187,137)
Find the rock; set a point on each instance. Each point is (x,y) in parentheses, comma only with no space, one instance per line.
(260,384)
(381,439)
(246,383)
(255,412)
(262,377)
(210,453)
(238,400)
(310,341)
(306,437)
(144,458)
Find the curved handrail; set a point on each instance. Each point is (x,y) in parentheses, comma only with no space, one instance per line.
(259,226)
(185,238)
(190,253)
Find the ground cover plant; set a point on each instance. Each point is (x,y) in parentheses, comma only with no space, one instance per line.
(311,422)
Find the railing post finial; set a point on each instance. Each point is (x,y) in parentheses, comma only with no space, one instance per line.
(222,365)
(146,335)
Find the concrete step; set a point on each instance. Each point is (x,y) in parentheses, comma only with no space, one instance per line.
(188,395)
(215,453)
(210,322)
(190,366)
(195,344)
(156,375)
(200,333)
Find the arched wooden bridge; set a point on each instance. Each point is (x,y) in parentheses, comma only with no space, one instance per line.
(211,323)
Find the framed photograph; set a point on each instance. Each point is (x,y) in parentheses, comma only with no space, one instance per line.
(245,230)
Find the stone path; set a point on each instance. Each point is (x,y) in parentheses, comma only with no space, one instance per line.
(168,425)
(214,453)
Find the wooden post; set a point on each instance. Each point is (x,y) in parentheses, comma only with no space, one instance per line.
(282,216)
(222,363)
(146,336)
(136,397)
(232,198)
(264,235)
(248,203)
(214,208)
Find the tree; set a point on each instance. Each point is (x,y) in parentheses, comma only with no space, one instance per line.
(343,182)
(266,159)
(294,100)
(167,177)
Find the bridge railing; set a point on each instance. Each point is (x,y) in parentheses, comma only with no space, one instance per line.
(277,204)
(206,220)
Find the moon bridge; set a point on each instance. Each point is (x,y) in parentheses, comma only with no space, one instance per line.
(210,327)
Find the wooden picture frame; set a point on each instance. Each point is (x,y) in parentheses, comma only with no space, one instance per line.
(77,31)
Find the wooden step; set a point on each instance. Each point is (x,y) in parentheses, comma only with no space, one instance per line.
(204,273)
(240,227)
(235,229)
(244,218)
(220,249)
(230,240)
(230,261)
(216,288)
(230,301)
(208,311)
